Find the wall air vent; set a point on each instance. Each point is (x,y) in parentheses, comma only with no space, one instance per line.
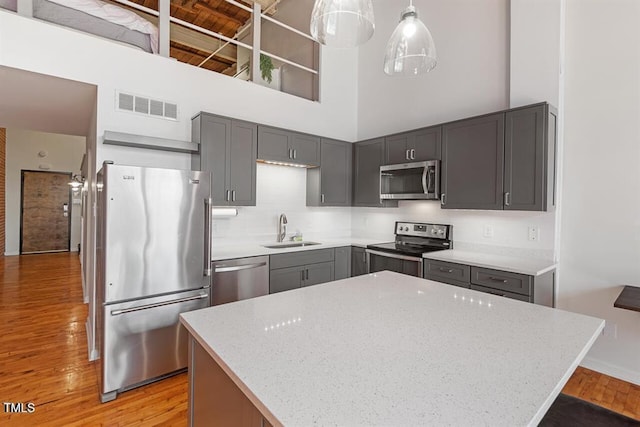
(146,106)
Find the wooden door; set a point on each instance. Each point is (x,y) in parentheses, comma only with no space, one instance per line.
(45,221)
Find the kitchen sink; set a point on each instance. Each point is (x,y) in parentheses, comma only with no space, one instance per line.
(290,245)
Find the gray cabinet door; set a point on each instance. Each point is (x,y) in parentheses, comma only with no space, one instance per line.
(525,171)
(342,268)
(358,261)
(426,144)
(285,279)
(273,144)
(305,148)
(315,274)
(415,146)
(215,134)
(368,157)
(473,163)
(335,173)
(243,148)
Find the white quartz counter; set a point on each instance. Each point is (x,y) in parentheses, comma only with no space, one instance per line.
(529,266)
(390,349)
(230,251)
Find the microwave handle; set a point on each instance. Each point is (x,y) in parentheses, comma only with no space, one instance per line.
(425,186)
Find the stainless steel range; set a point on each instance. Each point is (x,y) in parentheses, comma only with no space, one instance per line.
(404,255)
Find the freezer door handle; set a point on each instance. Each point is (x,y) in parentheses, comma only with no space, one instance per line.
(160,304)
(208,214)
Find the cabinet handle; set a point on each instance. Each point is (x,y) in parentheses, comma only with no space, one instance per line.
(233,195)
(364,257)
(290,153)
(227,195)
(413,154)
(307,274)
(496,279)
(406,155)
(295,154)
(322,198)
(507,199)
(443,199)
(446,270)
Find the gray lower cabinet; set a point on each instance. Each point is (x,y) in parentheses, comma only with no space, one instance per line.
(330,184)
(343,262)
(534,289)
(228,149)
(414,146)
(473,163)
(298,269)
(281,145)
(358,261)
(368,156)
(530,158)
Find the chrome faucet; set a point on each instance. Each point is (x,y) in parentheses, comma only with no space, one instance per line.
(282,227)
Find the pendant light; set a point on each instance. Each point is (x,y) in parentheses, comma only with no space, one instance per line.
(342,23)
(410,50)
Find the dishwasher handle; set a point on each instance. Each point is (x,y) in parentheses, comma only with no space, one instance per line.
(239,267)
(160,304)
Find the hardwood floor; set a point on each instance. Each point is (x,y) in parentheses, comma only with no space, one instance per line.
(43,358)
(43,354)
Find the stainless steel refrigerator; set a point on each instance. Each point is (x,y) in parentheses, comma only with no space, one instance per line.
(153,263)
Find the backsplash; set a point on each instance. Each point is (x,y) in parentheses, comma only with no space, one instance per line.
(282,189)
(510,229)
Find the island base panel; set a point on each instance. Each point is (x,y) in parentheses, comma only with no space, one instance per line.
(214,399)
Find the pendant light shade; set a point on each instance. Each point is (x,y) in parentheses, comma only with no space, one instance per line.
(410,50)
(342,23)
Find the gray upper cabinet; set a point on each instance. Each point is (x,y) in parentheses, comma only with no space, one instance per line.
(330,184)
(227,148)
(367,158)
(415,146)
(529,170)
(280,145)
(473,163)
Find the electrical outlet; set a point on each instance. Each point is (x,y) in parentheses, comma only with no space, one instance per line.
(534,233)
(610,329)
(487,231)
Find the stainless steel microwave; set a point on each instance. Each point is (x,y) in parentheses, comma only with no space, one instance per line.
(410,181)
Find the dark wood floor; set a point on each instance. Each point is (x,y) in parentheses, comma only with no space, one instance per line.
(43,358)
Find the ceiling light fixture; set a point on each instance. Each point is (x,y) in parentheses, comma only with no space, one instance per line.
(410,50)
(342,23)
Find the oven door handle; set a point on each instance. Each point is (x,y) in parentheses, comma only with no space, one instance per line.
(391,255)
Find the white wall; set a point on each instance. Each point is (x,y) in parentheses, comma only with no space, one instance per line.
(471,77)
(282,189)
(600,240)
(64,155)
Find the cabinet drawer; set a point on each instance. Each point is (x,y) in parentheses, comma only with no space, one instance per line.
(447,272)
(501,293)
(502,280)
(293,259)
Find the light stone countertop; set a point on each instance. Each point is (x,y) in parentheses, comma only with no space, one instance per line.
(528,266)
(229,251)
(390,349)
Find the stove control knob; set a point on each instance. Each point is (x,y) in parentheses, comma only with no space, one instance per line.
(406,229)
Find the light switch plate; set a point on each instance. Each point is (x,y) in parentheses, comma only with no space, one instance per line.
(487,232)
(534,234)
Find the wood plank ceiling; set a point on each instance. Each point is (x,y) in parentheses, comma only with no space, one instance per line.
(219,16)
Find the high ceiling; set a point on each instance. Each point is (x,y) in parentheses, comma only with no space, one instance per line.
(192,47)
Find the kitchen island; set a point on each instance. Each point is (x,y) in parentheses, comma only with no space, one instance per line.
(381,349)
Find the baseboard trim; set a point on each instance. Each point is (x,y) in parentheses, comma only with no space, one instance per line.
(611,370)
(11,253)
(93,353)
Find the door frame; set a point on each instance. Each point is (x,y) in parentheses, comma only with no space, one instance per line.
(70,174)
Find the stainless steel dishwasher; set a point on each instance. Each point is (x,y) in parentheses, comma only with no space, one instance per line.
(238,279)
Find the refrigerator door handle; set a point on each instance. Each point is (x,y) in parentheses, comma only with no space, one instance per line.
(208,215)
(160,304)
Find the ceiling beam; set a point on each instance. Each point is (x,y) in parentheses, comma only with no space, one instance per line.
(217,13)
